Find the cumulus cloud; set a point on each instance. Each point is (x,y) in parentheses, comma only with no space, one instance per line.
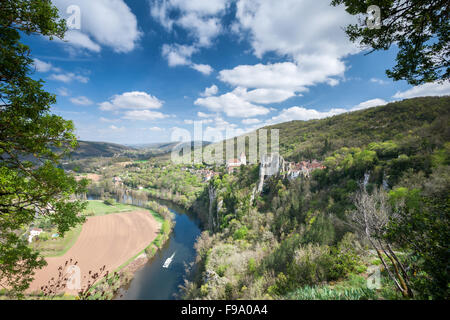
(144,115)
(309,33)
(59,74)
(263,96)
(426,89)
(177,54)
(201,19)
(240,102)
(42,66)
(82,101)
(210,91)
(107,23)
(369,104)
(204,115)
(232,105)
(131,100)
(301,113)
(286,76)
(180,55)
(202,68)
(69,77)
(302,29)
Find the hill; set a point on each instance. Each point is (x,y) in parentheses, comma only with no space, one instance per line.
(91,149)
(304,140)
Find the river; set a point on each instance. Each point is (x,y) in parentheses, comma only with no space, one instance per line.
(153,282)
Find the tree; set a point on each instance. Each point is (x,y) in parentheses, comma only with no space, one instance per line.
(32,142)
(419,28)
(421,224)
(371,217)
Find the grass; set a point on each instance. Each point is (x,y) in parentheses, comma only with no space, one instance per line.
(58,246)
(354,288)
(98,208)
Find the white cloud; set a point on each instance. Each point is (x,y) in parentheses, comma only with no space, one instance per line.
(155,129)
(82,100)
(251,121)
(303,29)
(177,54)
(63,92)
(203,29)
(427,89)
(81,40)
(131,100)
(263,96)
(103,23)
(144,115)
(309,33)
(202,68)
(42,66)
(210,91)
(180,55)
(283,76)
(200,18)
(301,113)
(204,115)
(68,77)
(119,129)
(378,81)
(369,104)
(232,105)
(102,119)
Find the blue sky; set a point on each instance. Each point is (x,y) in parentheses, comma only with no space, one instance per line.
(137,70)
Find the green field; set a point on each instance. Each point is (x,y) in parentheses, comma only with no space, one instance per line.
(58,246)
(98,208)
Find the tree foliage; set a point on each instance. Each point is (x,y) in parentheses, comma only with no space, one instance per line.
(420,29)
(32,141)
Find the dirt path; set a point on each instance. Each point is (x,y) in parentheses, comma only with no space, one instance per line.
(108,240)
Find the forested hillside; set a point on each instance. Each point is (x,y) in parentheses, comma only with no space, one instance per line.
(315,139)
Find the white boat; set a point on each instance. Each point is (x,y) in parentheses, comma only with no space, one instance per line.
(168,261)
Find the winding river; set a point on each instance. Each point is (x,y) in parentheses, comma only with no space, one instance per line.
(153,282)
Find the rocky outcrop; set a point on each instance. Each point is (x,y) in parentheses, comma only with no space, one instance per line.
(215,206)
(212,198)
(271,164)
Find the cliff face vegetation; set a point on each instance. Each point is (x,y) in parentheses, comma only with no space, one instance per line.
(381,204)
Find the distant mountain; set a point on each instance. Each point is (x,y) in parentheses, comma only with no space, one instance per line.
(91,149)
(164,146)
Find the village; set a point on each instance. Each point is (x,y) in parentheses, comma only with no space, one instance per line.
(291,170)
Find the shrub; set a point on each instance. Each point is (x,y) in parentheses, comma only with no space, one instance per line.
(241,233)
(109,202)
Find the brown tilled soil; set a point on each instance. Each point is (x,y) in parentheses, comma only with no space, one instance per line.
(108,240)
